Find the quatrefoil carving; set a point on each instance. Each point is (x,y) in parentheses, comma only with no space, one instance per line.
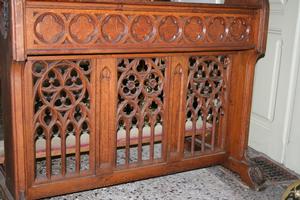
(82,28)
(217,29)
(114,28)
(49,28)
(142,28)
(169,29)
(194,29)
(239,29)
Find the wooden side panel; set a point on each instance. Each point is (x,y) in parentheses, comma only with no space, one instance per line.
(243,67)
(13,127)
(12,105)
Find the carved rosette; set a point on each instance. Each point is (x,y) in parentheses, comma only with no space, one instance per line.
(49,28)
(4,18)
(83,29)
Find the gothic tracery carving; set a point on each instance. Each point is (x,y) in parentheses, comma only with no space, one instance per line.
(140,107)
(206,101)
(61,111)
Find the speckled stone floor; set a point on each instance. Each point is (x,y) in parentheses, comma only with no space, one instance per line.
(214,183)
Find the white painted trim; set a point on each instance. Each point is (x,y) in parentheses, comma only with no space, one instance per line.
(291,90)
(275,30)
(284,2)
(255,118)
(275,77)
(277,8)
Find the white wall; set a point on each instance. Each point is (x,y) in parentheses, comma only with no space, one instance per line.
(292,153)
(273,122)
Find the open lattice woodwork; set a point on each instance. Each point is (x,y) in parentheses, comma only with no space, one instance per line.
(103,92)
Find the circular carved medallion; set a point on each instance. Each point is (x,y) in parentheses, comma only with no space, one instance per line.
(114,28)
(239,29)
(61,85)
(49,28)
(142,28)
(153,83)
(130,85)
(216,29)
(193,29)
(169,29)
(4,18)
(82,29)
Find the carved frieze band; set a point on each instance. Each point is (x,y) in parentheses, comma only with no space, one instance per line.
(118,30)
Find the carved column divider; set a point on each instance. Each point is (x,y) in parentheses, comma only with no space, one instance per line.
(106,97)
(177,106)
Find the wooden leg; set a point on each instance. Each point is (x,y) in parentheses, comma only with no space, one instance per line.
(248,171)
(243,67)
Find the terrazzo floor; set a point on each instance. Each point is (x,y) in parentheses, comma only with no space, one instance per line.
(214,183)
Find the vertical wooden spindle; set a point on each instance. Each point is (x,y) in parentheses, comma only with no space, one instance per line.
(213,132)
(127,146)
(77,151)
(152,122)
(48,155)
(203,132)
(63,152)
(140,137)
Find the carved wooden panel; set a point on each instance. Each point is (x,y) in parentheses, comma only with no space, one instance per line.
(62,119)
(140,110)
(96,31)
(206,103)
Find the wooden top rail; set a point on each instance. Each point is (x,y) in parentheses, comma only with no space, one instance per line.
(71,27)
